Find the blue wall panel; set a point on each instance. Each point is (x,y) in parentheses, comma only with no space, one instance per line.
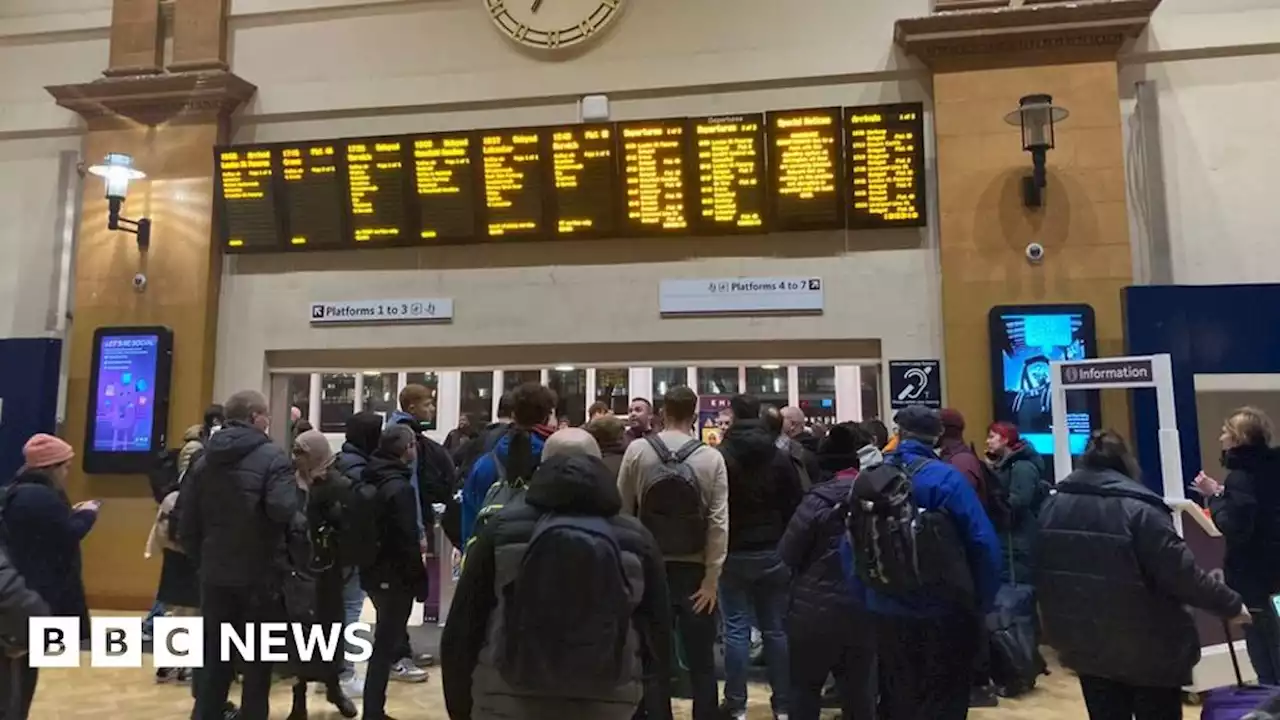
(1218,329)
(29,388)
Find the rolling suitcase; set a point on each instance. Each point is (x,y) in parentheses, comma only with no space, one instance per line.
(1235,702)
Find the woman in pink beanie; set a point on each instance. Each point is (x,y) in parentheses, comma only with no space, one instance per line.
(43,531)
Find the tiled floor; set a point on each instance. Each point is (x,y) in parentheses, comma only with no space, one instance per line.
(103,694)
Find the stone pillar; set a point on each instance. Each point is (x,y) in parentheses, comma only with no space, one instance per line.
(170,123)
(983,62)
(137,42)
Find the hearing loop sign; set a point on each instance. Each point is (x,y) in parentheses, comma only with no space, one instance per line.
(915,382)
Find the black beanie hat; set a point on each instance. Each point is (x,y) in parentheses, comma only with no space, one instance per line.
(363,431)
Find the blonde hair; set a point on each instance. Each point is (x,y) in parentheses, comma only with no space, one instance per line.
(1249,426)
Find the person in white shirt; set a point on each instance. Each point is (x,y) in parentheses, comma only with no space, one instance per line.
(653,479)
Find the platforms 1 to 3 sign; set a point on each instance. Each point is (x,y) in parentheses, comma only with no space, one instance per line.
(792,170)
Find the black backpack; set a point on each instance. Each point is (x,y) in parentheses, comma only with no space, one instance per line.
(361,533)
(567,615)
(672,507)
(164,477)
(898,548)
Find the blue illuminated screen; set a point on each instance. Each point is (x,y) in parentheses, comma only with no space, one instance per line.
(1031,341)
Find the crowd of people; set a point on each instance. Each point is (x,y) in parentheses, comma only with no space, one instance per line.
(603,566)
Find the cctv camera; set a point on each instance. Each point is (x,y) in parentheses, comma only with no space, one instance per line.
(1035,253)
(139,282)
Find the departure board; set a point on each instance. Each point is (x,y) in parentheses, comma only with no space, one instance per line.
(805,170)
(653,175)
(376,186)
(512,173)
(885,153)
(730,171)
(584,178)
(445,181)
(249,215)
(313,195)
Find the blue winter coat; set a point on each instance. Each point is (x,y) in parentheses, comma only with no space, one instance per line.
(938,486)
(43,534)
(483,475)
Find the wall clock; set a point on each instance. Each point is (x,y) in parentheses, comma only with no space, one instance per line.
(553,24)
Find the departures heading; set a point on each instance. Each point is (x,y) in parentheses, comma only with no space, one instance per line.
(817,169)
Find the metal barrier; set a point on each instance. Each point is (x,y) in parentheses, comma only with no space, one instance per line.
(446,571)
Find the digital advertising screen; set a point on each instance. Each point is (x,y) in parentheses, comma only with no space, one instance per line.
(129,399)
(1024,340)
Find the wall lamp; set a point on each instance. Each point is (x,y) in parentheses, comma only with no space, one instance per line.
(117,170)
(1036,115)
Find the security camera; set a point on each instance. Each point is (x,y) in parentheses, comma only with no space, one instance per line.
(140,282)
(1035,253)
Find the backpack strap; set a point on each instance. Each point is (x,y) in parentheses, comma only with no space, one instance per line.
(664,452)
(687,450)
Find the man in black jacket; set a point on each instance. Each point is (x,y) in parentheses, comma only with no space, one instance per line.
(764,491)
(397,576)
(572,480)
(237,502)
(363,432)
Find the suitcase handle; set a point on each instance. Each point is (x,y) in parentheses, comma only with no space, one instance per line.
(1231,646)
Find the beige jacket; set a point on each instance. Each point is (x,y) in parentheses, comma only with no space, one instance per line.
(641,461)
(159,538)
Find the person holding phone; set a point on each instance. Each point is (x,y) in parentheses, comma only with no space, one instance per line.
(1246,508)
(42,531)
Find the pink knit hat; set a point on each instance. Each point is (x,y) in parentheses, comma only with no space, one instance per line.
(43,451)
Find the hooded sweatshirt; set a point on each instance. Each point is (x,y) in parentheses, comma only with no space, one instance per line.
(764,487)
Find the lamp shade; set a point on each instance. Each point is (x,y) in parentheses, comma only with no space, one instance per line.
(117,170)
(1036,115)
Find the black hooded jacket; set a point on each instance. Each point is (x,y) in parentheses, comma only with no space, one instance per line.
(764,487)
(363,431)
(575,484)
(1113,579)
(1248,514)
(398,566)
(235,506)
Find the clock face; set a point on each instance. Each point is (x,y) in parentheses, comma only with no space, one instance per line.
(550,24)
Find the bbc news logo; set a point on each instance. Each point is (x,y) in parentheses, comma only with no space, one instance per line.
(179,642)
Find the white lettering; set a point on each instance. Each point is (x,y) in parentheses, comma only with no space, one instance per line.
(358,635)
(316,637)
(244,643)
(275,637)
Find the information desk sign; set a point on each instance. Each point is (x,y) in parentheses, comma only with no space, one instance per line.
(444,185)
(741,296)
(376,188)
(313,195)
(728,162)
(885,153)
(653,177)
(584,200)
(513,183)
(246,191)
(805,178)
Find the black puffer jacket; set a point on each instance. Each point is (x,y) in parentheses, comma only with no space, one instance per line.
(820,598)
(1113,577)
(18,604)
(1248,514)
(399,563)
(235,506)
(764,487)
(473,688)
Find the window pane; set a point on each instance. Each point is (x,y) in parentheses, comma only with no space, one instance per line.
(870,391)
(380,392)
(477,397)
(665,378)
(300,394)
(337,401)
(512,379)
(769,383)
(570,387)
(430,381)
(718,381)
(611,389)
(818,394)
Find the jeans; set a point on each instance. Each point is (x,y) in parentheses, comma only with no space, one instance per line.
(1262,638)
(352,604)
(755,582)
(1111,700)
(156,611)
(239,606)
(926,666)
(17,687)
(393,613)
